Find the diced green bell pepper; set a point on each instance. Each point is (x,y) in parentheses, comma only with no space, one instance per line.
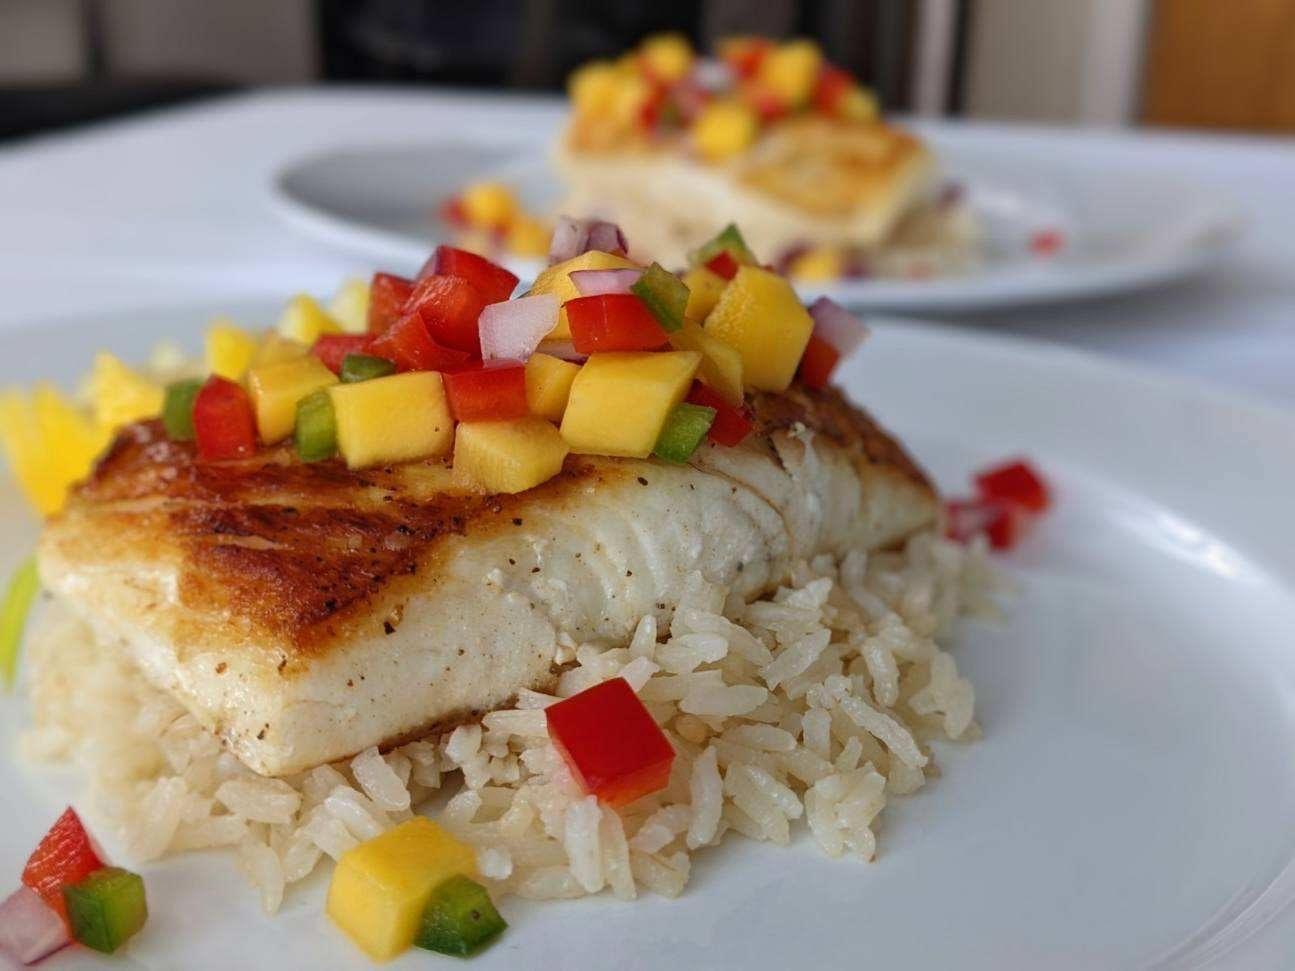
(729,240)
(177,409)
(107,908)
(684,429)
(664,293)
(365,367)
(18,597)
(315,433)
(459,919)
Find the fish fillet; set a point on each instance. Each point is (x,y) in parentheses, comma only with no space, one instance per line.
(306,612)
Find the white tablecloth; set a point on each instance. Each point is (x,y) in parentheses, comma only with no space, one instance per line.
(174,206)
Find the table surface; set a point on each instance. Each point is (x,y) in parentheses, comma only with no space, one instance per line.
(173,207)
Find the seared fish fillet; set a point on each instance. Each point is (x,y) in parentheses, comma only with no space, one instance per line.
(306,612)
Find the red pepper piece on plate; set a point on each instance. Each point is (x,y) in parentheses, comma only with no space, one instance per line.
(388,295)
(831,86)
(224,424)
(487,392)
(449,306)
(64,856)
(818,362)
(451,210)
(746,56)
(333,348)
(493,282)
(731,424)
(1003,523)
(723,264)
(410,346)
(613,322)
(1014,482)
(609,740)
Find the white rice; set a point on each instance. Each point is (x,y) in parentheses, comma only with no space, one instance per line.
(813,706)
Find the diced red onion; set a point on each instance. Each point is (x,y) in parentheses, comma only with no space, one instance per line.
(29,927)
(593,283)
(571,237)
(563,349)
(836,325)
(511,330)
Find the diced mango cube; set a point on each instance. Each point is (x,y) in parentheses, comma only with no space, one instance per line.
(556,279)
(380,888)
(619,402)
(350,306)
(528,236)
(790,71)
(304,320)
(721,365)
(593,88)
(120,395)
(723,129)
(548,385)
(228,349)
(704,287)
(759,314)
(859,104)
(393,419)
(818,264)
(275,348)
(508,456)
(49,443)
(668,57)
(276,389)
(633,92)
(487,205)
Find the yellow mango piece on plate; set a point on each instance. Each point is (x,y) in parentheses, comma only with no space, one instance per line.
(724,129)
(760,315)
(350,306)
(49,442)
(120,395)
(381,887)
(228,349)
(304,320)
(668,57)
(592,88)
(791,70)
(393,419)
(819,264)
(704,287)
(619,402)
(508,456)
(859,104)
(528,236)
(548,385)
(276,389)
(721,364)
(275,348)
(557,280)
(487,205)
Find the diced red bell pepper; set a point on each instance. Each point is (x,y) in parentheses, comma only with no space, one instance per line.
(830,88)
(769,106)
(745,58)
(731,425)
(1003,523)
(224,424)
(333,348)
(652,108)
(451,211)
(1014,482)
(723,264)
(487,392)
(818,362)
(613,322)
(609,740)
(449,306)
(388,295)
(64,856)
(493,282)
(1047,242)
(410,346)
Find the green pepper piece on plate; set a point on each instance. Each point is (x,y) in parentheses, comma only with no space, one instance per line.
(107,908)
(177,409)
(664,293)
(364,367)
(459,919)
(315,433)
(684,429)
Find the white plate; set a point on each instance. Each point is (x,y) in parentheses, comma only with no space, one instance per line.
(1130,804)
(1126,227)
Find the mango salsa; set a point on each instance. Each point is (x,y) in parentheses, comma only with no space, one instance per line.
(723,129)
(276,389)
(721,365)
(350,306)
(304,320)
(120,395)
(228,349)
(619,402)
(760,315)
(548,385)
(508,456)
(380,888)
(556,280)
(392,419)
(704,287)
